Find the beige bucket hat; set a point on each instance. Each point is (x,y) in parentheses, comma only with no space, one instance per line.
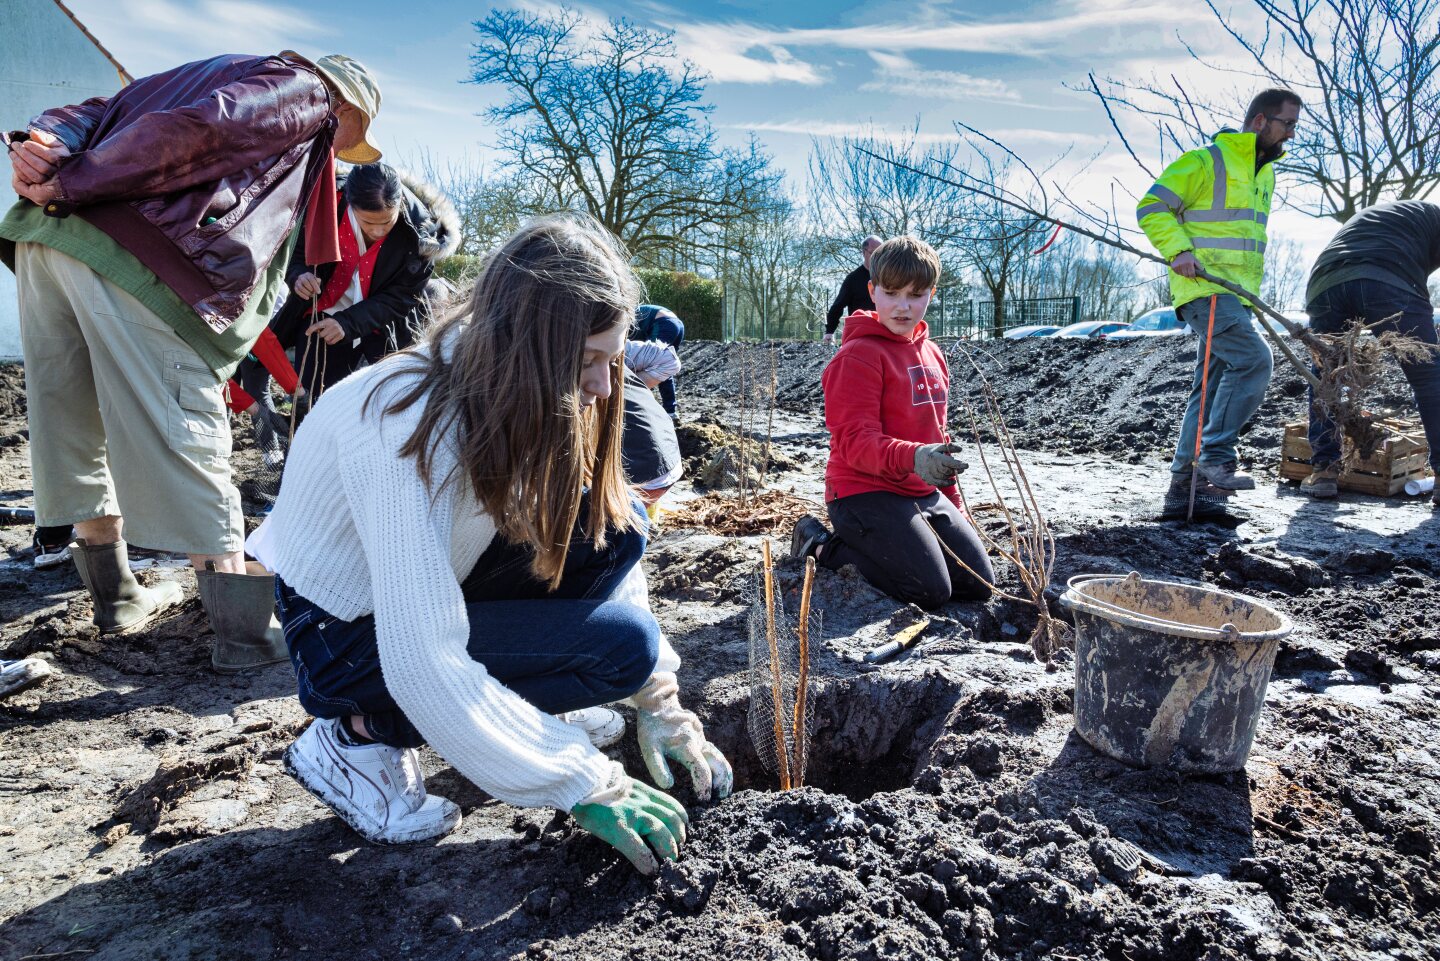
(359,89)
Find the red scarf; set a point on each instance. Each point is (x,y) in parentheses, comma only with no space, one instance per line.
(351,260)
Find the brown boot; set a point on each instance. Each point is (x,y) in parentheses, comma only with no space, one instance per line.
(122,605)
(242,614)
(1323,482)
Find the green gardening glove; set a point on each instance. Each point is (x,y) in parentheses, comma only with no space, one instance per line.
(638,816)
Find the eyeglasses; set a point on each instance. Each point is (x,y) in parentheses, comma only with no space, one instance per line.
(1287,124)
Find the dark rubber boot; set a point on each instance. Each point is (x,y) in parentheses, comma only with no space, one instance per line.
(1210,501)
(122,605)
(241,608)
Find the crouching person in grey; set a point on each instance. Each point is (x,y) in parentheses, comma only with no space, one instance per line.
(458,562)
(149,245)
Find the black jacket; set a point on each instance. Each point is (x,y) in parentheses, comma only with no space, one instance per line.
(1396,243)
(427,230)
(854,295)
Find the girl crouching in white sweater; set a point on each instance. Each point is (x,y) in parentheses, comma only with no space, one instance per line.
(458,563)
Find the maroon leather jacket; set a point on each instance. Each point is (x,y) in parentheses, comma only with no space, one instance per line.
(200,172)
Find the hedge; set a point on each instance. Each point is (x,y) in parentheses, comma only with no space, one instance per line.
(697,302)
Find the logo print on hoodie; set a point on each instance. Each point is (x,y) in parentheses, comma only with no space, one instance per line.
(926,385)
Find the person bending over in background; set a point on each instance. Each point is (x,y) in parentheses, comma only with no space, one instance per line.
(658,323)
(458,563)
(1376,271)
(650,448)
(149,247)
(393,230)
(886,394)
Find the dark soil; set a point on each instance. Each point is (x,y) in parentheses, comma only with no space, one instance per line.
(1122,398)
(952,810)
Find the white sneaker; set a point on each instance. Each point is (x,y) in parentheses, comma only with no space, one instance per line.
(45,557)
(376,789)
(18,675)
(601,725)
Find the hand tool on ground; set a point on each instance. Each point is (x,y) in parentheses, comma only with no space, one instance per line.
(16,516)
(901,641)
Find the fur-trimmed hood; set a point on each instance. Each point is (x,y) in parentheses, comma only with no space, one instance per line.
(428,212)
(433,216)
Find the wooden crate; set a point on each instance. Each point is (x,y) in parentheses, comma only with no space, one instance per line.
(1403,456)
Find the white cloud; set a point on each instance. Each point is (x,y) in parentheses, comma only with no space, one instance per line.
(151,35)
(740,53)
(902,77)
(1049,138)
(829,128)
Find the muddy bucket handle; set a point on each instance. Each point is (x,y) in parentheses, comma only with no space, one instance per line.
(1078,600)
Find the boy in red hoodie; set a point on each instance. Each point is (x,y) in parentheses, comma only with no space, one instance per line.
(890,481)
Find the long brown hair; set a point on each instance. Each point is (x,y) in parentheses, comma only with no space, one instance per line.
(510,388)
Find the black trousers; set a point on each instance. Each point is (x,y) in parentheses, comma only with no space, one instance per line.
(895,541)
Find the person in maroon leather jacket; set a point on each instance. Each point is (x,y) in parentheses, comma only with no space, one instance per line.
(149,246)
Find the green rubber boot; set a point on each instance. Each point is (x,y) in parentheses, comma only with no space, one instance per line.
(122,604)
(241,608)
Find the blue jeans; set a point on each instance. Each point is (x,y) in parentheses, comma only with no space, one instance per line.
(1240,367)
(1372,301)
(561,651)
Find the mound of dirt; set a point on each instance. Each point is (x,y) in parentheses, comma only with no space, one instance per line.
(715,455)
(1123,399)
(950,809)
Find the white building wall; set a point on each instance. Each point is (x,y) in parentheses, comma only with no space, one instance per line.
(45,61)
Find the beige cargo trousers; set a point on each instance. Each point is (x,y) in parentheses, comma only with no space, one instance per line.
(125,417)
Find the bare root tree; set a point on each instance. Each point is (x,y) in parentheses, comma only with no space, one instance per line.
(606,119)
(1367,70)
(1026,543)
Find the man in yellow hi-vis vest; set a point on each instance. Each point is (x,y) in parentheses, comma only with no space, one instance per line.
(1209,209)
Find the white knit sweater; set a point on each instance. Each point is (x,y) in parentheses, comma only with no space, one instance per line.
(356,532)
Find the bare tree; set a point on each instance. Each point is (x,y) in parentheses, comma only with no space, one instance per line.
(997,237)
(854,194)
(491,205)
(605,118)
(776,272)
(1286,273)
(1367,70)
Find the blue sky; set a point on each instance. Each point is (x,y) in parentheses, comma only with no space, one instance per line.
(786,72)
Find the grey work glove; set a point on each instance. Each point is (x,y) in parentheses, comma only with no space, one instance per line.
(934,465)
(666,730)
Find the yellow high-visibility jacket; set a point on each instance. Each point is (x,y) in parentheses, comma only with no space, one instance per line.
(1214,202)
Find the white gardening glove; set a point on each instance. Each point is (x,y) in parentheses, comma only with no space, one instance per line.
(666,730)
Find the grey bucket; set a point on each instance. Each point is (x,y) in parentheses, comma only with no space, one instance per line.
(1170,675)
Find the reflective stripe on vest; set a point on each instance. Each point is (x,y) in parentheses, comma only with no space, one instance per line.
(1221,176)
(1171,202)
(1229,243)
(1220,216)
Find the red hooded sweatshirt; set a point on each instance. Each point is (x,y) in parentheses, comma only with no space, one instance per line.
(885,395)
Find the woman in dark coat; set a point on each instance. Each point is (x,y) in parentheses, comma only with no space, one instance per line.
(393,230)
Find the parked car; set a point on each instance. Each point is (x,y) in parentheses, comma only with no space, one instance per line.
(1030,330)
(1295,317)
(1160,322)
(1094,329)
